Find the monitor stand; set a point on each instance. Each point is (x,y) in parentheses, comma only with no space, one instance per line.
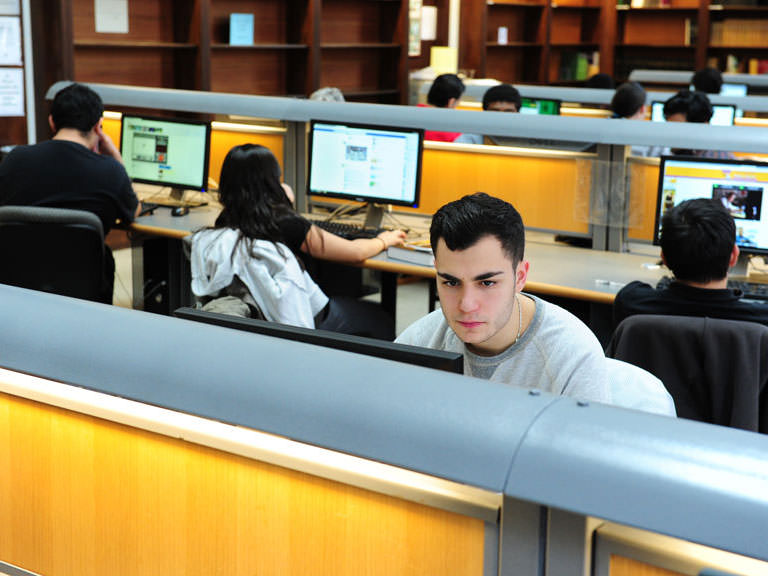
(176,198)
(741,268)
(374,215)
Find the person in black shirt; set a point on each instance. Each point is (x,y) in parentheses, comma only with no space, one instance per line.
(80,168)
(698,244)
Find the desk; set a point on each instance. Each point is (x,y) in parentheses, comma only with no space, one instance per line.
(584,281)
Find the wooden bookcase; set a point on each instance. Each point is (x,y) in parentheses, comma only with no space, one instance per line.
(541,36)
(359,46)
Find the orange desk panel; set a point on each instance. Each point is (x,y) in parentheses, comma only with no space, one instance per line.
(643,179)
(84,496)
(621,566)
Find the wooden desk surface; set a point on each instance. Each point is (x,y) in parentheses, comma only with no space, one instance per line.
(556,269)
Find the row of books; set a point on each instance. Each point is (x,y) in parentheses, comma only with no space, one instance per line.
(739,32)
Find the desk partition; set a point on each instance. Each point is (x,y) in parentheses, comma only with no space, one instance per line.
(132,443)
(568,192)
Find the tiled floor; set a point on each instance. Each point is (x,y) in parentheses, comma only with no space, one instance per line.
(412,298)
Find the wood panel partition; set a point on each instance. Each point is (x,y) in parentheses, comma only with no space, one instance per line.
(86,496)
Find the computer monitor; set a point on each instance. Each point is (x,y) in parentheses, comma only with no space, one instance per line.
(733,90)
(377,165)
(166,152)
(722,114)
(738,184)
(544,106)
(427,357)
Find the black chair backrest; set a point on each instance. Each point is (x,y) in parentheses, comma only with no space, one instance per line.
(716,370)
(55,250)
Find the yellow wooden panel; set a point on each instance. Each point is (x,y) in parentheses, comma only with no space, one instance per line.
(621,566)
(643,182)
(549,193)
(83,496)
(222,141)
(111,127)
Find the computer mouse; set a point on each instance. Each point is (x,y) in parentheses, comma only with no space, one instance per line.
(179,210)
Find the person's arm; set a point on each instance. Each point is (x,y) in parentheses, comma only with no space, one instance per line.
(106,146)
(326,246)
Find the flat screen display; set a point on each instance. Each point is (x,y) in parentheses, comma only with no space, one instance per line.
(540,106)
(366,163)
(740,186)
(722,114)
(166,152)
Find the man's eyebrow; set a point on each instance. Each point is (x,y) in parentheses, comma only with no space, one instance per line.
(478,278)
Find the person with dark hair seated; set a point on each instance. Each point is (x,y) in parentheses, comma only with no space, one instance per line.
(445,92)
(499,98)
(505,335)
(707,80)
(628,102)
(687,106)
(602,81)
(698,244)
(80,169)
(260,248)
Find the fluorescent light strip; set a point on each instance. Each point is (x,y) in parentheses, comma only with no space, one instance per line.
(352,470)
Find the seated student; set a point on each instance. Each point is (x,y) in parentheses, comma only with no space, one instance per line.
(505,335)
(628,102)
(707,80)
(80,168)
(698,244)
(445,92)
(693,107)
(500,98)
(259,246)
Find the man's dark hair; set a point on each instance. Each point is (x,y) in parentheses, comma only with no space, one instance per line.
(699,108)
(78,107)
(445,87)
(463,222)
(502,93)
(628,99)
(601,80)
(697,238)
(677,104)
(707,80)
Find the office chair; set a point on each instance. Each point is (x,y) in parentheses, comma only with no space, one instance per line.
(716,370)
(54,250)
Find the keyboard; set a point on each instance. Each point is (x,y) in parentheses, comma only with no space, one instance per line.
(345,229)
(750,290)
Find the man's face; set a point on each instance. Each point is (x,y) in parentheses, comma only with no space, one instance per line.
(477,288)
(502,106)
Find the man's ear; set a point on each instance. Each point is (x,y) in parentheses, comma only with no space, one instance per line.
(51,124)
(452,103)
(734,256)
(521,275)
(663,259)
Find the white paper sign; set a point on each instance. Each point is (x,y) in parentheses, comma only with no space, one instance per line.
(10,40)
(111,16)
(428,22)
(10,8)
(11,92)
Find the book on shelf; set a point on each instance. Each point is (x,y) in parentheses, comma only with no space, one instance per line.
(416,253)
(240,29)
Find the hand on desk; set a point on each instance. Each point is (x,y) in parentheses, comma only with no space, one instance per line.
(392,238)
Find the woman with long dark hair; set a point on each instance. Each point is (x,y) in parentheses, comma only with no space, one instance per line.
(258,248)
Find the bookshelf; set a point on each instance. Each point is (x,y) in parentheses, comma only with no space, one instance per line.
(545,39)
(737,38)
(299,46)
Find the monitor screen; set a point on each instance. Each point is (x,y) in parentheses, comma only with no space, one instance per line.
(738,184)
(366,163)
(540,106)
(166,152)
(427,357)
(733,90)
(722,114)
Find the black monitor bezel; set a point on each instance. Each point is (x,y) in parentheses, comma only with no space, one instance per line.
(173,120)
(557,101)
(731,106)
(660,192)
(427,357)
(369,200)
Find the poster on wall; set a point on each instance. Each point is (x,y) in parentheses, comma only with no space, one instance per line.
(111,16)
(10,41)
(414,28)
(11,92)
